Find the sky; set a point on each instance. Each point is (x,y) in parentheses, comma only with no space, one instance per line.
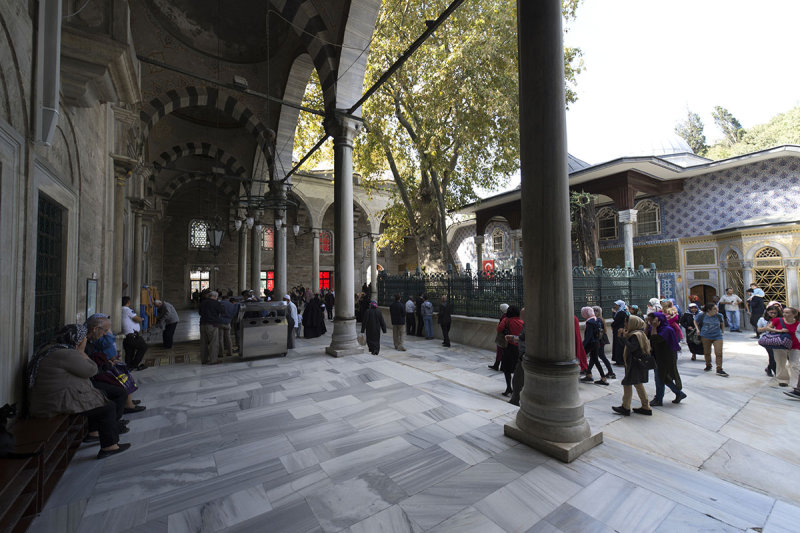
(647,61)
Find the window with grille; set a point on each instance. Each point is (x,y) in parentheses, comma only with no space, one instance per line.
(498,240)
(770,275)
(267,280)
(325,242)
(648,218)
(325,280)
(268,238)
(198,234)
(607,223)
(49,294)
(199,280)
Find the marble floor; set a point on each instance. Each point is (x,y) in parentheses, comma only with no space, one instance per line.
(413,441)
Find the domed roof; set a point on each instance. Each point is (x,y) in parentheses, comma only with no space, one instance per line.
(658,146)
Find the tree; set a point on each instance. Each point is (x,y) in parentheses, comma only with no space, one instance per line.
(781,129)
(731,128)
(448,121)
(691,130)
(584,226)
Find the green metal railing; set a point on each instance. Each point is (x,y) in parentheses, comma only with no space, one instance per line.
(480,294)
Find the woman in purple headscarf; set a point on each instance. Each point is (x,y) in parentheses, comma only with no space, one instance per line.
(665,347)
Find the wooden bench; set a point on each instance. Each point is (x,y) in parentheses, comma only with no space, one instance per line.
(26,483)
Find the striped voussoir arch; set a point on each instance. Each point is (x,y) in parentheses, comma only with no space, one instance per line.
(225,187)
(313,33)
(184,97)
(229,162)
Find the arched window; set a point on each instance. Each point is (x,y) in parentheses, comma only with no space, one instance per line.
(648,218)
(770,274)
(268,238)
(198,234)
(607,223)
(325,242)
(498,240)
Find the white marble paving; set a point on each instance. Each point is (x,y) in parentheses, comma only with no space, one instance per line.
(413,441)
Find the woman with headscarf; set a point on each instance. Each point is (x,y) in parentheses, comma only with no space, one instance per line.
(593,342)
(757,309)
(670,310)
(636,347)
(692,335)
(665,349)
(620,310)
(511,325)
(313,319)
(653,305)
(598,313)
(58,383)
(372,324)
(498,353)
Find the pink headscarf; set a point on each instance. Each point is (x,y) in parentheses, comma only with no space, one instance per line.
(587,312)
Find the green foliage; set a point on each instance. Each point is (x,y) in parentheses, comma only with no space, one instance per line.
(310,130)
(691,130)
(731,128)
(781,129)
(448,121)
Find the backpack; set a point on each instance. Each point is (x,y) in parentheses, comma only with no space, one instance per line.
(598,333)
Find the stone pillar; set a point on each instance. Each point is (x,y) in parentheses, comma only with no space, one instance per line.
(792,298)
(479,239)
(242,259)
(747,274)
(628,218)
(315,261)
(551,416)
(280,259)
(122,171)
(373,266)
(343,339)
(138,253)
(255,260)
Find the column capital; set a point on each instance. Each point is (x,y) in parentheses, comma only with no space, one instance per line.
(342,127)
(747,264)
(792,263)
(628,216)
(315,232)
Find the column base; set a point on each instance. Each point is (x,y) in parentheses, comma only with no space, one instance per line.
(344,339)
(563,451)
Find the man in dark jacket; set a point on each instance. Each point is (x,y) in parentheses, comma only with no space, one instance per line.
(420,299)
(445,310)
(373,324)
(330,300)
(211,312)
(398,311)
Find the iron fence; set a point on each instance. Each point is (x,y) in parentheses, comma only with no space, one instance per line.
(480,294)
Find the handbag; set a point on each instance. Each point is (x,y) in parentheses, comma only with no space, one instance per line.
(781,341)
(120,372)
(500,338)
(362,339)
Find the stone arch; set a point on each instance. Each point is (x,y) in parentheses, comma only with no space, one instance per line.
(731,248)
(316,38)
(224,187)
(200,148)
(287,123)
(783,250)
(184,97)
(14,102)
(354,52)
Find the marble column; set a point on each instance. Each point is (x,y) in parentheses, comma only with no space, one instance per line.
(747,274)
(242,259)
(627,218)
(255,260)
(551,417)
(373,266)
(479,239)
(122,171)
(343,129)
(315,261)
(792,297)
(280,259)
(138,252)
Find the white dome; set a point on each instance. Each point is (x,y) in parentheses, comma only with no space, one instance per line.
(658,146)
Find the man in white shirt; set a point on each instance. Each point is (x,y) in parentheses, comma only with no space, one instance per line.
(291,319)
(732,303)
(134,344)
